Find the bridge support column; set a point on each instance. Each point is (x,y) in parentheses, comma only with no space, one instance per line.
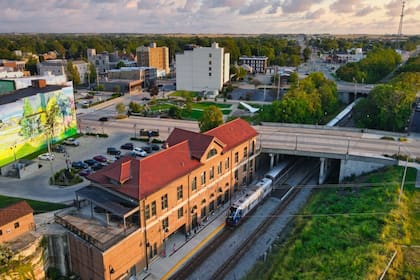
(271,161)
(322,170)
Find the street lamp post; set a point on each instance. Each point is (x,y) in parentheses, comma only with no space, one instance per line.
(403,180)
(13,148)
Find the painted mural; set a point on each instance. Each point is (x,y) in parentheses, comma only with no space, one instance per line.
(27,124)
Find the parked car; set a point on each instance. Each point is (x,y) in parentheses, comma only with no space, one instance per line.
(418,108)
(100,158)
(139,152)
(147,149)
(79,165)
(85,172)
(155,147)
(58,149)
(127,146)
(71,142)
(113,151)
(90,161)
(97,166)
(103,119)
(46,156)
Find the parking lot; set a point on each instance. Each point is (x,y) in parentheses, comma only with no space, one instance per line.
(36,185)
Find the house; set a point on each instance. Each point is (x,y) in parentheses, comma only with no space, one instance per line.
(15,220)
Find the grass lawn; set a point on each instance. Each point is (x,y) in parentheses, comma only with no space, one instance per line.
(206,104)
(185,94)
(351,233)
(161,106)
(38,206)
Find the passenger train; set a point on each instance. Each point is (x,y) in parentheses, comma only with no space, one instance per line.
(255,194)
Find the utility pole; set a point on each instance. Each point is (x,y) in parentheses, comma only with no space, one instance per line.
(399,34)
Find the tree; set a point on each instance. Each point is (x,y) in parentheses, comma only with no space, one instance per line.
(73,74)
(135,107)
(212,117)
(307,53)
(154,90)
(120,108)
(174,112)
(31,65)
(120,64)
(92,73)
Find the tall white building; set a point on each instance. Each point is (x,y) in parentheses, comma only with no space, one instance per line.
(202,69)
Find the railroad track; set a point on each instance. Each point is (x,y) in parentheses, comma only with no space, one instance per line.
(223,270)
(188,268)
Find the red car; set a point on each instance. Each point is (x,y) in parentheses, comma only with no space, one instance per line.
(100,158)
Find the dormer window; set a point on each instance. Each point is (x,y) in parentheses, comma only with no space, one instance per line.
(211,153)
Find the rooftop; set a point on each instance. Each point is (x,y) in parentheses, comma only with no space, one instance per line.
(25,92)
(13,212)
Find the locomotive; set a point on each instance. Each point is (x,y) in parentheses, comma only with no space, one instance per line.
(254,195)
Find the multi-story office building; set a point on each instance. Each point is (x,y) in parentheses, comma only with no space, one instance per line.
(202,69)
(152,56)
(100,61)
(257,63)
(132,206)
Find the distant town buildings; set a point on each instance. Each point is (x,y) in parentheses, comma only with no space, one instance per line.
(352,55)
(100,61)
(55,67)
(153,56)
(82,68)
(202,69)
(258,64)
(122,220)
(146,75)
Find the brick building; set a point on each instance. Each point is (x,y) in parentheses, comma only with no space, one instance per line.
(153,56)
(15,220)
(125,216)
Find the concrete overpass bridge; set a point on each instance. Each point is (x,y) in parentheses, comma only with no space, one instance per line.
(354,150)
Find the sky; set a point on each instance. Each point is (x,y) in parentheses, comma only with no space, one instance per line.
(210,16)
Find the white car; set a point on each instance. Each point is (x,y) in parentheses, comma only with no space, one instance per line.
(139,152)
(71,141)
(46,156)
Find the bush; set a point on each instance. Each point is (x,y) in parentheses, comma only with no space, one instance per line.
(387,138)
(66,177)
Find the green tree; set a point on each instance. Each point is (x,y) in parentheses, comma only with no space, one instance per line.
(120,108)
(212,117)
(73,74)
(174,112)
(92,73)
(31,65)
(307,53)
(154,90)
(135,107)
(120,64)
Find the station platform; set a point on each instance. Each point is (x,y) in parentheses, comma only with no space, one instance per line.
(179,248)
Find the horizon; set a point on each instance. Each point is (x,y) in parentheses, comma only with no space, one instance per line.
(251,17)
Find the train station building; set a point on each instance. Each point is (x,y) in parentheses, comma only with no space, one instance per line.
(124,219)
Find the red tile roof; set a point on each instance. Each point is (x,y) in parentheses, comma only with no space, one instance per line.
(13,212)
(233,133)
(198,142)
(149,174)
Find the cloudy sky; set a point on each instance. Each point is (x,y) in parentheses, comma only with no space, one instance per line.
(209,16)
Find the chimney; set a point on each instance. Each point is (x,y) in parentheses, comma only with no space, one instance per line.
(41,83)
(125,174)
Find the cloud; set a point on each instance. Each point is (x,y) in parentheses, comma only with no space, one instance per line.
(365,11)
(232,4)
(297,6)
(315,14)
(345,6)
(393,8)
(253,7)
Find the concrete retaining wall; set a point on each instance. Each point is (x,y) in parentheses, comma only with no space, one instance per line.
(350,168)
